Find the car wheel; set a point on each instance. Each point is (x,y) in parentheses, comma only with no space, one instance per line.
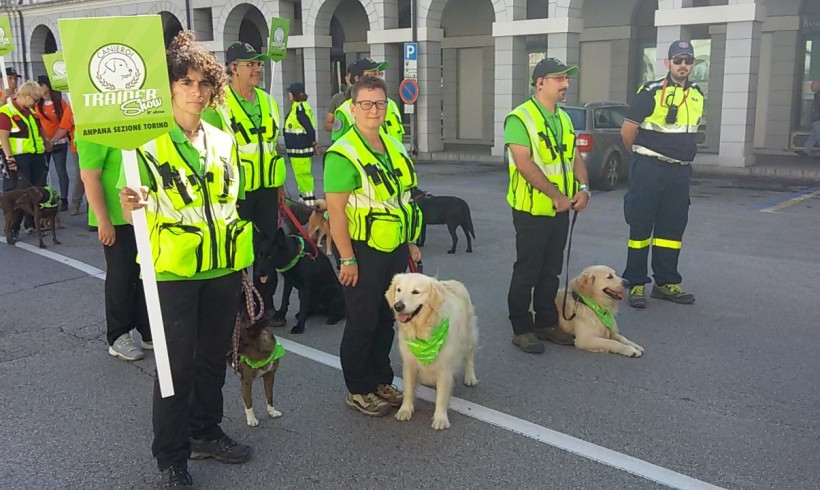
(611,172)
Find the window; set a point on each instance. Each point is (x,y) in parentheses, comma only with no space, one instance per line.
(578,117)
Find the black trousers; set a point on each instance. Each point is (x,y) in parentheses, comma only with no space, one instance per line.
(368,334)
(199,318)
(124,299)
(539,255)
(656,208)
(261,207)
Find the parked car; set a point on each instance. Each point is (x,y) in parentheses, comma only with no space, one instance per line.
(598,138)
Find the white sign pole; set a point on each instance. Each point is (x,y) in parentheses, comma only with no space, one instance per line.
(272,73)
(5,77)
(149,278)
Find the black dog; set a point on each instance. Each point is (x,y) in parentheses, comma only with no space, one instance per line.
(444,210)
(320,292)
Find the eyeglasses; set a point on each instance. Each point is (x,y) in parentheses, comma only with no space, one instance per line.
(252,64)
(683,59)
(559,78)
(368,104)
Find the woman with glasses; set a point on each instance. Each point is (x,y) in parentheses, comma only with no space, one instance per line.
(368,178)
(199,248)
(24,149)
(661,129)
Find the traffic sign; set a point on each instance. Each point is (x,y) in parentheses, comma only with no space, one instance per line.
(411,60)
(409,91)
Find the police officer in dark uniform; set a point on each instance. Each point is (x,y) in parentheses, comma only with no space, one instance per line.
(661,128)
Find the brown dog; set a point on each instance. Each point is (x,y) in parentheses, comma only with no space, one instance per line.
(36,201)
(259,354)
(319,226)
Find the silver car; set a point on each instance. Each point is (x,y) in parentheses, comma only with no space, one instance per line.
(598,138)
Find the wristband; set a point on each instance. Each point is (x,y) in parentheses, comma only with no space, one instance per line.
(350,261)
(585,188)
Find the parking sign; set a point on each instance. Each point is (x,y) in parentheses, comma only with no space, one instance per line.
(411,57)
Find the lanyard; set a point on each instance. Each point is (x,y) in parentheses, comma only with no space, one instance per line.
(663,96)
(558,145)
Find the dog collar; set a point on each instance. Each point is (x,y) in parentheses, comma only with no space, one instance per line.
(52,200)
(427,351)
(278,351)
(290,265)
(605,316)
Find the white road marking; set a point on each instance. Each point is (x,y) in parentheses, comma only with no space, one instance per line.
(791,201)
(493,417)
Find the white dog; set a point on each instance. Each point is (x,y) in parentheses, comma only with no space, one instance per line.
(437,333)
(596,288)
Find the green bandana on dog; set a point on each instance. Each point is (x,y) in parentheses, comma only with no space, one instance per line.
(53,198)
(427,351)
(606,317)
(277,352)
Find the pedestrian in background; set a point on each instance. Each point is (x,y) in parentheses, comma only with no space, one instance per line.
(661,128)
(814,133)
(300,141)
(56,121)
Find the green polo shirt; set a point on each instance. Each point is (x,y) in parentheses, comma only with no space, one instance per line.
(192,156)
(341,175)
(516,134)
(109,160)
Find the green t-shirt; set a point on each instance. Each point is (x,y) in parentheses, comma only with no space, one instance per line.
(192,156)
(516,134)
(341,175)
(109,160)
(212,117)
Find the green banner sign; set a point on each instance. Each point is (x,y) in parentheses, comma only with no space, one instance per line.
(6,43)
(118,79)
(55,67)
(278,45)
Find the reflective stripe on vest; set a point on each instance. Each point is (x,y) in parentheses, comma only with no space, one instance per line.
(24,134)
(380,211)
(554,160)
(292,124)
(656,134)
(192,218)
(257,145)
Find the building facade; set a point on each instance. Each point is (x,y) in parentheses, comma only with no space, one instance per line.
(755,58)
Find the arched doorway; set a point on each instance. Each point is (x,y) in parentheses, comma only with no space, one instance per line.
(171,26)
(247,24)
(348,30)
(42,42)
(468,64)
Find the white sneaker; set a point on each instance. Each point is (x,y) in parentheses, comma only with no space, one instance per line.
(125,348)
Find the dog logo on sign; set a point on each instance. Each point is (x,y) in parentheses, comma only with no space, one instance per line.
(279,37)
(59,67)
(117,67)
(4,41)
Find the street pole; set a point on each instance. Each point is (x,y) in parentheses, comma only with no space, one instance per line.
(414,148)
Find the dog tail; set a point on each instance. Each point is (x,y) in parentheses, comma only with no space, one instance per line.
(469,221)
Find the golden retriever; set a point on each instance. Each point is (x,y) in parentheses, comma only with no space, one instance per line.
(420,304)
(319,226)
(600,285)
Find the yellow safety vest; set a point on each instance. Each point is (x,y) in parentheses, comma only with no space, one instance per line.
(392,120)
(380,212)
(192,218)
(295,134)
(257,146)
(24,135)
(553,159)
(672,142)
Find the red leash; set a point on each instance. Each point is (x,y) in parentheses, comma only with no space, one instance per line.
(302,231)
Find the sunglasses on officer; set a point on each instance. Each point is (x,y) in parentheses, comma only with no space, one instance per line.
(683,59)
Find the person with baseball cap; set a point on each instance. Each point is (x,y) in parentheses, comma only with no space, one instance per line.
(300,140)
(338,99)
(12,78)
(343,117)
(661,129)
(548,178)
(252,116)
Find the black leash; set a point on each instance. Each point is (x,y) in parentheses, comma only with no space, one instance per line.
(566,272)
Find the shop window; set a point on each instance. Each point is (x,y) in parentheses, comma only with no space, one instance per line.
(811,71)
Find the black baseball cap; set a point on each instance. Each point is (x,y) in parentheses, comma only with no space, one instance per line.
(296,88)
(11,72)
(678,48)
(358,67)
(242,52)
(552,66)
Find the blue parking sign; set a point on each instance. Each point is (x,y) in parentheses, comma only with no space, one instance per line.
(411,51)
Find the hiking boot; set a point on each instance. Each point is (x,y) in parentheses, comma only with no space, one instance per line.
(637,296)
(63,204)
(125,348)
(390,394)
(368,404)
(555,335)
(529,343)
(674,293)
(224,449)
(177,476)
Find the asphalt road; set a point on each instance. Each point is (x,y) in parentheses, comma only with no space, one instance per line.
(726,394)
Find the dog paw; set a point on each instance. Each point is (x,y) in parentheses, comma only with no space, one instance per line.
(274,413)
(638,347)
(441,422)
(470,380)
(633,352)
(252,421)
(297,329)
(404,413)
(451,252)
(42,245)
